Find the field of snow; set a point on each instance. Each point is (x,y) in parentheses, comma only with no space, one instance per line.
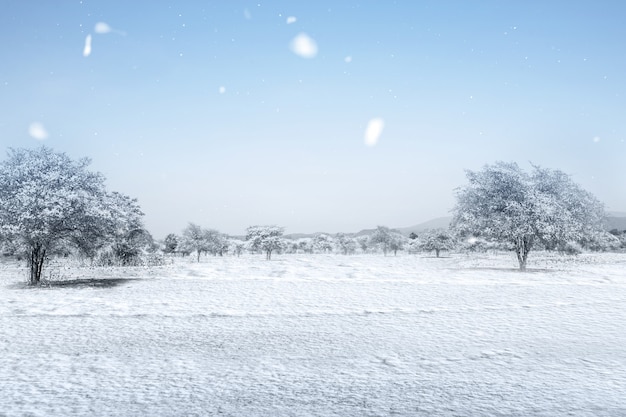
(319,335)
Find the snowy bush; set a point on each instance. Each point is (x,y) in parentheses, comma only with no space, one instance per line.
(571,248)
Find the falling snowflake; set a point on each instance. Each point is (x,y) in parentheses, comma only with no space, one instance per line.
(373,131)
(304,46)
(102,28)
(222,89)
(87,48)
(37,131)
(596,139)
(291,19)
(348,59)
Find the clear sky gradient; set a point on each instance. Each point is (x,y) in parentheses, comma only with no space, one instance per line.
(204,112)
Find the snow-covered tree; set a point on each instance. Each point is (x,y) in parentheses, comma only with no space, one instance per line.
(194,239)
(129,246)
(363,242)
(170,244)
(601,241)
(49,201)
(504,203)
(265,238)
(387,240)
(323,243)
(398,242)
(214,242)
(346,244)
(237,246)
(222,244)
(381,238)
(291,246)
(305,245)
(436,240)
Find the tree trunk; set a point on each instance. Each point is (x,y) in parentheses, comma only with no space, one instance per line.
(268,255)
(198,256)
(522,247)
(37,256)
(437,252)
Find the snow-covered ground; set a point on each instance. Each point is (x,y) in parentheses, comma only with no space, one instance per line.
(320,335)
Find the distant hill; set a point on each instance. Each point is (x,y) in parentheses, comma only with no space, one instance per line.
(616,222)
(296,236)
(438,223)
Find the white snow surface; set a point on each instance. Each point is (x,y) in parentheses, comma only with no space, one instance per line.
(319,335)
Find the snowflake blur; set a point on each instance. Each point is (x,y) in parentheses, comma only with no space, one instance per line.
(304,46)
(87,48)
(102,28)
(373,131)
(37,131)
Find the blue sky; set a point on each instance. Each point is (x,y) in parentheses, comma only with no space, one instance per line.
(202,111)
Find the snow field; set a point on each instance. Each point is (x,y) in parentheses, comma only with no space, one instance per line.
(320,335)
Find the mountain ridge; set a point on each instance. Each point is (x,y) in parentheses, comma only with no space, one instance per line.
(614,220)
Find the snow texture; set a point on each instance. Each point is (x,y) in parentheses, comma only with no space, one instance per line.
(319,335)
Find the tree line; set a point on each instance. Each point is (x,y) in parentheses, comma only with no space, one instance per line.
(51,205)
(270,239)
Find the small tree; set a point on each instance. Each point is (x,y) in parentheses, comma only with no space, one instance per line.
(49,201)
(323,243)
(436,240)
(194,239)
(363,242)
(214,242)
(265,238)
(237,245)
(345,244)
(129,246)
(291,246)
(503,203)
(397,242)
(387,239)
(305,244)
(170,243)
